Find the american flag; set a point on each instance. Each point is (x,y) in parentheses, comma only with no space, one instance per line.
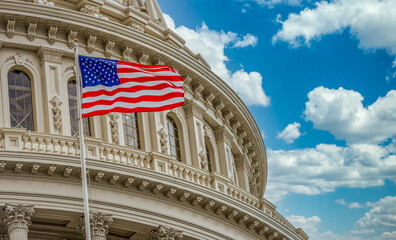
(117,86)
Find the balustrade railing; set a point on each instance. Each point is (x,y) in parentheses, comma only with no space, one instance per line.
(20,140)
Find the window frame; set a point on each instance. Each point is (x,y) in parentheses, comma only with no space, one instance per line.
(172,121)
(125,130)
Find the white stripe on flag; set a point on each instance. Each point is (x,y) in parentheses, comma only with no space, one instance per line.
(133,105)
(131,84)
(132,95)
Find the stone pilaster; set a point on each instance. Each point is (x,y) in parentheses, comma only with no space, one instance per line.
(100,224)
(167,233)
(16,218)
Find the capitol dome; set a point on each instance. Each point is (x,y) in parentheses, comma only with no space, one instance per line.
(195,172)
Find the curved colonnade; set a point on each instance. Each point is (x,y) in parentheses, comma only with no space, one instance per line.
(213,190)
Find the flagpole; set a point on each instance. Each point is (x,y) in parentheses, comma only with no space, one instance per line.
(82,146)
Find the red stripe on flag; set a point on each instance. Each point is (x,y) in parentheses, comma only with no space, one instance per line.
(134,100)
(127,110)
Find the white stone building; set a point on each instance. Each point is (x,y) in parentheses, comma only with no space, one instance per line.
(196,172)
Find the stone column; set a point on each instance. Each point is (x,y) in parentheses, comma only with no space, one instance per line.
(167,233)
(100,224)
(16,218)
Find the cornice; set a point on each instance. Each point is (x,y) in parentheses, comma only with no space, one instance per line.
(249,219)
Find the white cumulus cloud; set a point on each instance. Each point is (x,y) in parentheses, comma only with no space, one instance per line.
(372,22)
(211,45)
(381,215)
(290,133)
(342,113)
(309,225)
(272,3)
(248,40)
(326,167)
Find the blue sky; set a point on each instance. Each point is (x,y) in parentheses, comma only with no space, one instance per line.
(319,78)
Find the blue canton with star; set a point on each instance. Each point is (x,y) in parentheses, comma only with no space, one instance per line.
(98,71)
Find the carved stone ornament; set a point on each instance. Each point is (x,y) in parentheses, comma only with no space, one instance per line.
(100,224)
(163,140)
(109,48)
(204,159)
(143,58)
(1,141)
(92,10)
(207,131)
(50,54)
(4,237)
(52,30)
(139,5)
(43,2)
(17,217)
(71,37)
(137,27)
(31,30)
(10,28)
(114,127)
(91,39)
(165,233)
(56,111)
(126,53)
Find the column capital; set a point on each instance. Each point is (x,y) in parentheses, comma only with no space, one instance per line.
(50,54)
(192,107)
(100,223)
(162,232)
(17,216)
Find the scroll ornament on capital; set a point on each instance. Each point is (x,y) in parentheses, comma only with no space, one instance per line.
(165,233)
(17,216)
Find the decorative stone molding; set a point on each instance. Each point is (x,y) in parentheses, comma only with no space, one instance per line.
(139,5)
(204,160)
(114,127)
(91,39)
(136,26)
(4,237)
(143,57)
(31,30)
(159,60)
(197,89)
(16,218)
(19,60)
(56,112)
(43,2)
(218,105)
(52,30)
(163,140)
(71,37)
(50,54)
(92,10)
(208,96)
(100,223)
(207,131)
(165,233)
(193,107)
(222,133)
(126,52)
(1,141)
(10,28)
(186,83)
(109,48)
(35,168)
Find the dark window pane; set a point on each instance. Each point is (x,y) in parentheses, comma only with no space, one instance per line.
(174,139)
(20,98)
(131,130)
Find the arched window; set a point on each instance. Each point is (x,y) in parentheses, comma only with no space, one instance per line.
(21,104)
(73,111)
(209,159)
(174,139)
(131,129)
